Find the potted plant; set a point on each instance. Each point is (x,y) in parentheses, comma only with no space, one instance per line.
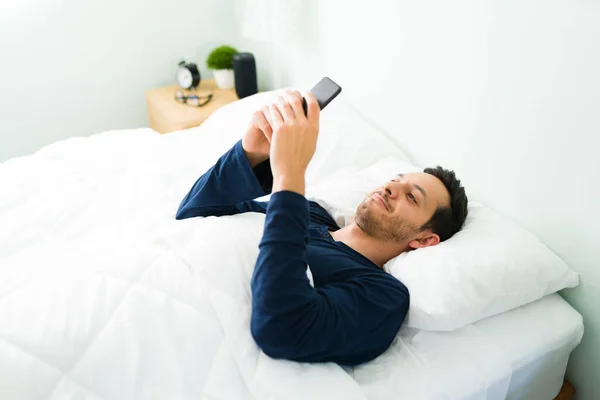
(221,61)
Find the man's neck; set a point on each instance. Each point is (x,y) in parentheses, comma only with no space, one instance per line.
(377,251)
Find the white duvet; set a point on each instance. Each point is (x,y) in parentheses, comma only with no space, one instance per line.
(103,295)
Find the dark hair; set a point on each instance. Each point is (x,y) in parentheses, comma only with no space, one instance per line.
(446,221)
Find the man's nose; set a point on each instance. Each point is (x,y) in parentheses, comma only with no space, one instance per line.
(391,189)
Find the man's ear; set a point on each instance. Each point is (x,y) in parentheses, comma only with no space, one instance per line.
(427,239)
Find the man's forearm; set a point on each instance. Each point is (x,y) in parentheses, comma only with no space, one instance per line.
(293,183)
(230,181)
(281,292)
(255,159)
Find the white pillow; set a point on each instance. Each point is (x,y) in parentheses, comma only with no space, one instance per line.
(490,266)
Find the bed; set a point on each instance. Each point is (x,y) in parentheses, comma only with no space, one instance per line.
(520,354)
(103,295)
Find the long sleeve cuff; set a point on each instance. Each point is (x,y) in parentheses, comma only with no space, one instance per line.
(229,182)
(287,219)
(262,183)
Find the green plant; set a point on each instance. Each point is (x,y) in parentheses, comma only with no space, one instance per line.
(221,58)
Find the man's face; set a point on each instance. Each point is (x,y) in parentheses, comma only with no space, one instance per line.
(396,211)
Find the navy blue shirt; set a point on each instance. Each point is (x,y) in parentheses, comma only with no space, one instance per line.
(354,310)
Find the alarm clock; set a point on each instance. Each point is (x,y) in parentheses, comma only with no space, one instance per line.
(188,75)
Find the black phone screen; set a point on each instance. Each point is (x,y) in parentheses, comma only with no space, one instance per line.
(325,91)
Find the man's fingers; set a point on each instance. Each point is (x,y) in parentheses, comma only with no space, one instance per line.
(263,124)
(267,114)
(294,99)
(312,107)
(276,118)
(285,109)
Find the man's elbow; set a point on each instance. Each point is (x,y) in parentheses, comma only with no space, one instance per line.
(180,214)
(272,341)
(183,212)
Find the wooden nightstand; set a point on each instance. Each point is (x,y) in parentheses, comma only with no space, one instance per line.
(566,392)
(168,115)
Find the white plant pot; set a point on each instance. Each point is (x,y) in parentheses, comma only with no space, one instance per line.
(224,78)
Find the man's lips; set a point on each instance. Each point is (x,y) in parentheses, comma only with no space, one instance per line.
(380,198)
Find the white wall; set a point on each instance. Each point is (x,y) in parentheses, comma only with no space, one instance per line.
(507,93)
(73,68)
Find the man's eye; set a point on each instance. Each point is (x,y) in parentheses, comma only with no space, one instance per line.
(412,198)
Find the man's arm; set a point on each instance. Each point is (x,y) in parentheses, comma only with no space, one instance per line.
(240,175)
(228,187)
(348,322)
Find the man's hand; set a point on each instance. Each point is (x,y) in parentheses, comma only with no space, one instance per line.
(257,139)
(294,140)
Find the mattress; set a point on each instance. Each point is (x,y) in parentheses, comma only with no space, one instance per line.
(537,339)
(520,354)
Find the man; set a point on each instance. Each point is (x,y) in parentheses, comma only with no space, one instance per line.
(355,309)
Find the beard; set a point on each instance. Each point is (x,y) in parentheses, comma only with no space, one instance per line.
(389,228)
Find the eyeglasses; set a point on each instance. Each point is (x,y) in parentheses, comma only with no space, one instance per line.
(192,99)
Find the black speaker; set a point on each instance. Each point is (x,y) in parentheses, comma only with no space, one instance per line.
(244,70)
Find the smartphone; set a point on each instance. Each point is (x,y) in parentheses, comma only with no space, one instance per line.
(325,91)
